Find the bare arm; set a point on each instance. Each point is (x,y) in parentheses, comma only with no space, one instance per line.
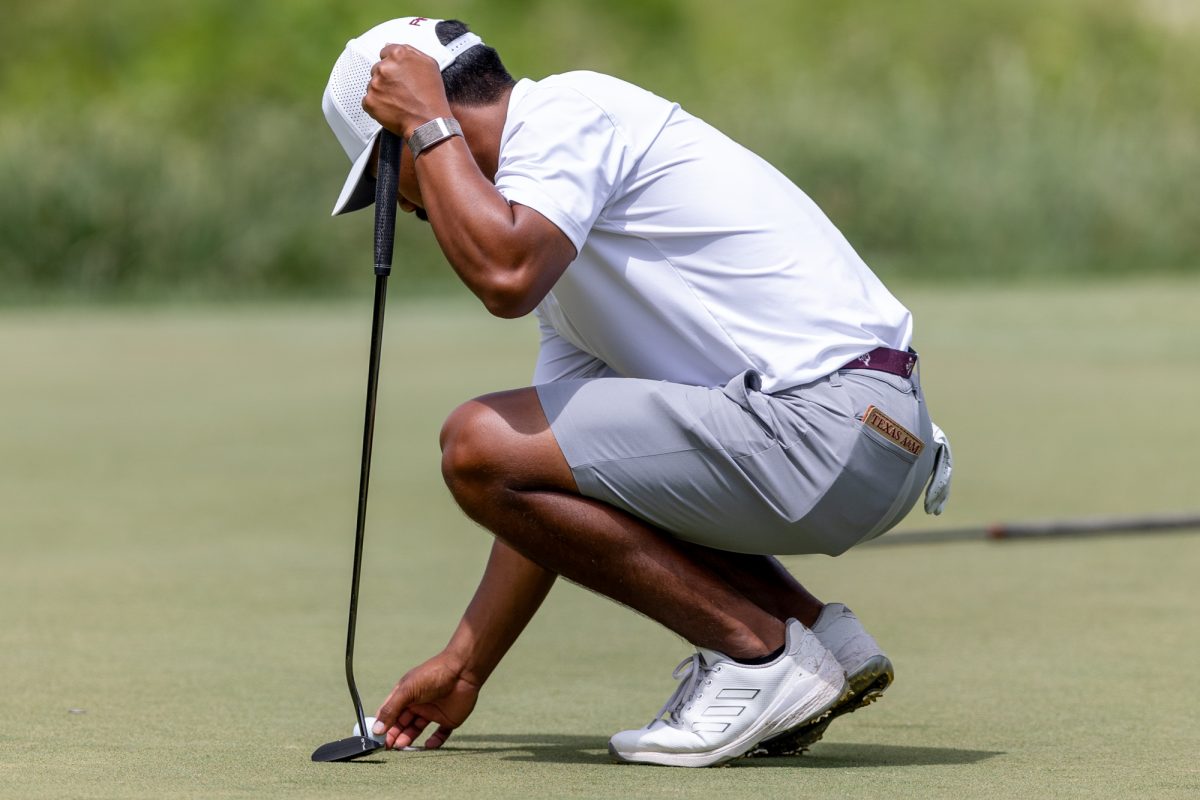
(444,688)
(508,255)
(510,593)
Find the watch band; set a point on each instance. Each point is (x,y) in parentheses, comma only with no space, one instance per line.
(432,132)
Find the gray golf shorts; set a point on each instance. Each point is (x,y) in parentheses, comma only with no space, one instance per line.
(817,468)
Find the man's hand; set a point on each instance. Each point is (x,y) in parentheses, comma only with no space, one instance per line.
(405,90)
(436,691)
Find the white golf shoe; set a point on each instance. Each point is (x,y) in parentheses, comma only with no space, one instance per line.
(722,708)
(868,674)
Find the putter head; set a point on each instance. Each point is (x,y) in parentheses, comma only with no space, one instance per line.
(346,749)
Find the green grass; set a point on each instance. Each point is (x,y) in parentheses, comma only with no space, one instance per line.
(177,493)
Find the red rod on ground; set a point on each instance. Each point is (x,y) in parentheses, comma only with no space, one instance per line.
(1065,528)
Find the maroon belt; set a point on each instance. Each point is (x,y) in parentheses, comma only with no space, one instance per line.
(885,359)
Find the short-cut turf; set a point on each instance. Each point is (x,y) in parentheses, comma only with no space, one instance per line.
(176,498)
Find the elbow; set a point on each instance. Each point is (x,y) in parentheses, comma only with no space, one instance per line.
(508,298)
(505,310)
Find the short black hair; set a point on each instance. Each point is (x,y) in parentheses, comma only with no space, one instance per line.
(477,77)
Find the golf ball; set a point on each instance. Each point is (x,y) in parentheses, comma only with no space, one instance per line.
(370,734)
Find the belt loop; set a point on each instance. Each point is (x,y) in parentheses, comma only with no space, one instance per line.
(835,379)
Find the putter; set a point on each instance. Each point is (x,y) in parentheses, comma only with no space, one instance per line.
(385,232)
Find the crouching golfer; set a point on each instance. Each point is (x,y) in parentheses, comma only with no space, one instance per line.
(721,379)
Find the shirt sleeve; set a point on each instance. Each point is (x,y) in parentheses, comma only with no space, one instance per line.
(563,157)
(559,360)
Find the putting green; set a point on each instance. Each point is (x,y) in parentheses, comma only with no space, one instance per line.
(177,491)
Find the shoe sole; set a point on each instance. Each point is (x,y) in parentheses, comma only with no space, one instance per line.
(866,685)
(811,712)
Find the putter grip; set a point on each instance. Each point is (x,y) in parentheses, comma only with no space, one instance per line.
(388,175)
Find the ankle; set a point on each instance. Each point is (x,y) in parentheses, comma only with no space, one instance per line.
(809,613)
(759,660)
(749,646)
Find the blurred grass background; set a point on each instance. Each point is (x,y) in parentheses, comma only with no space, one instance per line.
(178,149)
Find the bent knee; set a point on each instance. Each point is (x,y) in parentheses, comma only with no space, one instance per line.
(470,439)
(502,441)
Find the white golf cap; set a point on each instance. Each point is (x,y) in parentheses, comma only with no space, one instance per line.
(342,102)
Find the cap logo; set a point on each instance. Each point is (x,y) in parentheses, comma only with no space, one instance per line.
(418,20)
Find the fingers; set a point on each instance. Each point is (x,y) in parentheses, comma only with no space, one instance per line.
(406,731)
(395,705)
(430,692)
(396,61)
(405,89)
(400,52)
(396,726)
(438,737)
(412,732)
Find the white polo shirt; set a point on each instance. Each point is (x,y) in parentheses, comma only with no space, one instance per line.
(696,259)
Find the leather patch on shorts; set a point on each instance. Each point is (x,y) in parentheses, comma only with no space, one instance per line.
(893,430)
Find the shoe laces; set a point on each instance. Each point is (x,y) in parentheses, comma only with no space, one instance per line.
(691,674)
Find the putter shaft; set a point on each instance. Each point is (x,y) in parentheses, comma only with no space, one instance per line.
(385,231)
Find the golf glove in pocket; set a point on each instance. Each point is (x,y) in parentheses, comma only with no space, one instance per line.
(938,491)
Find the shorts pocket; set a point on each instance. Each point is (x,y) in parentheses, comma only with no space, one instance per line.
(863,494)
(878,439)
(738,416)
(880,468)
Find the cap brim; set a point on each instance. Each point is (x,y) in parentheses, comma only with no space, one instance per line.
(359,189)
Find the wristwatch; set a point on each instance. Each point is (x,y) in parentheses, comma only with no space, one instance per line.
(432,132)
